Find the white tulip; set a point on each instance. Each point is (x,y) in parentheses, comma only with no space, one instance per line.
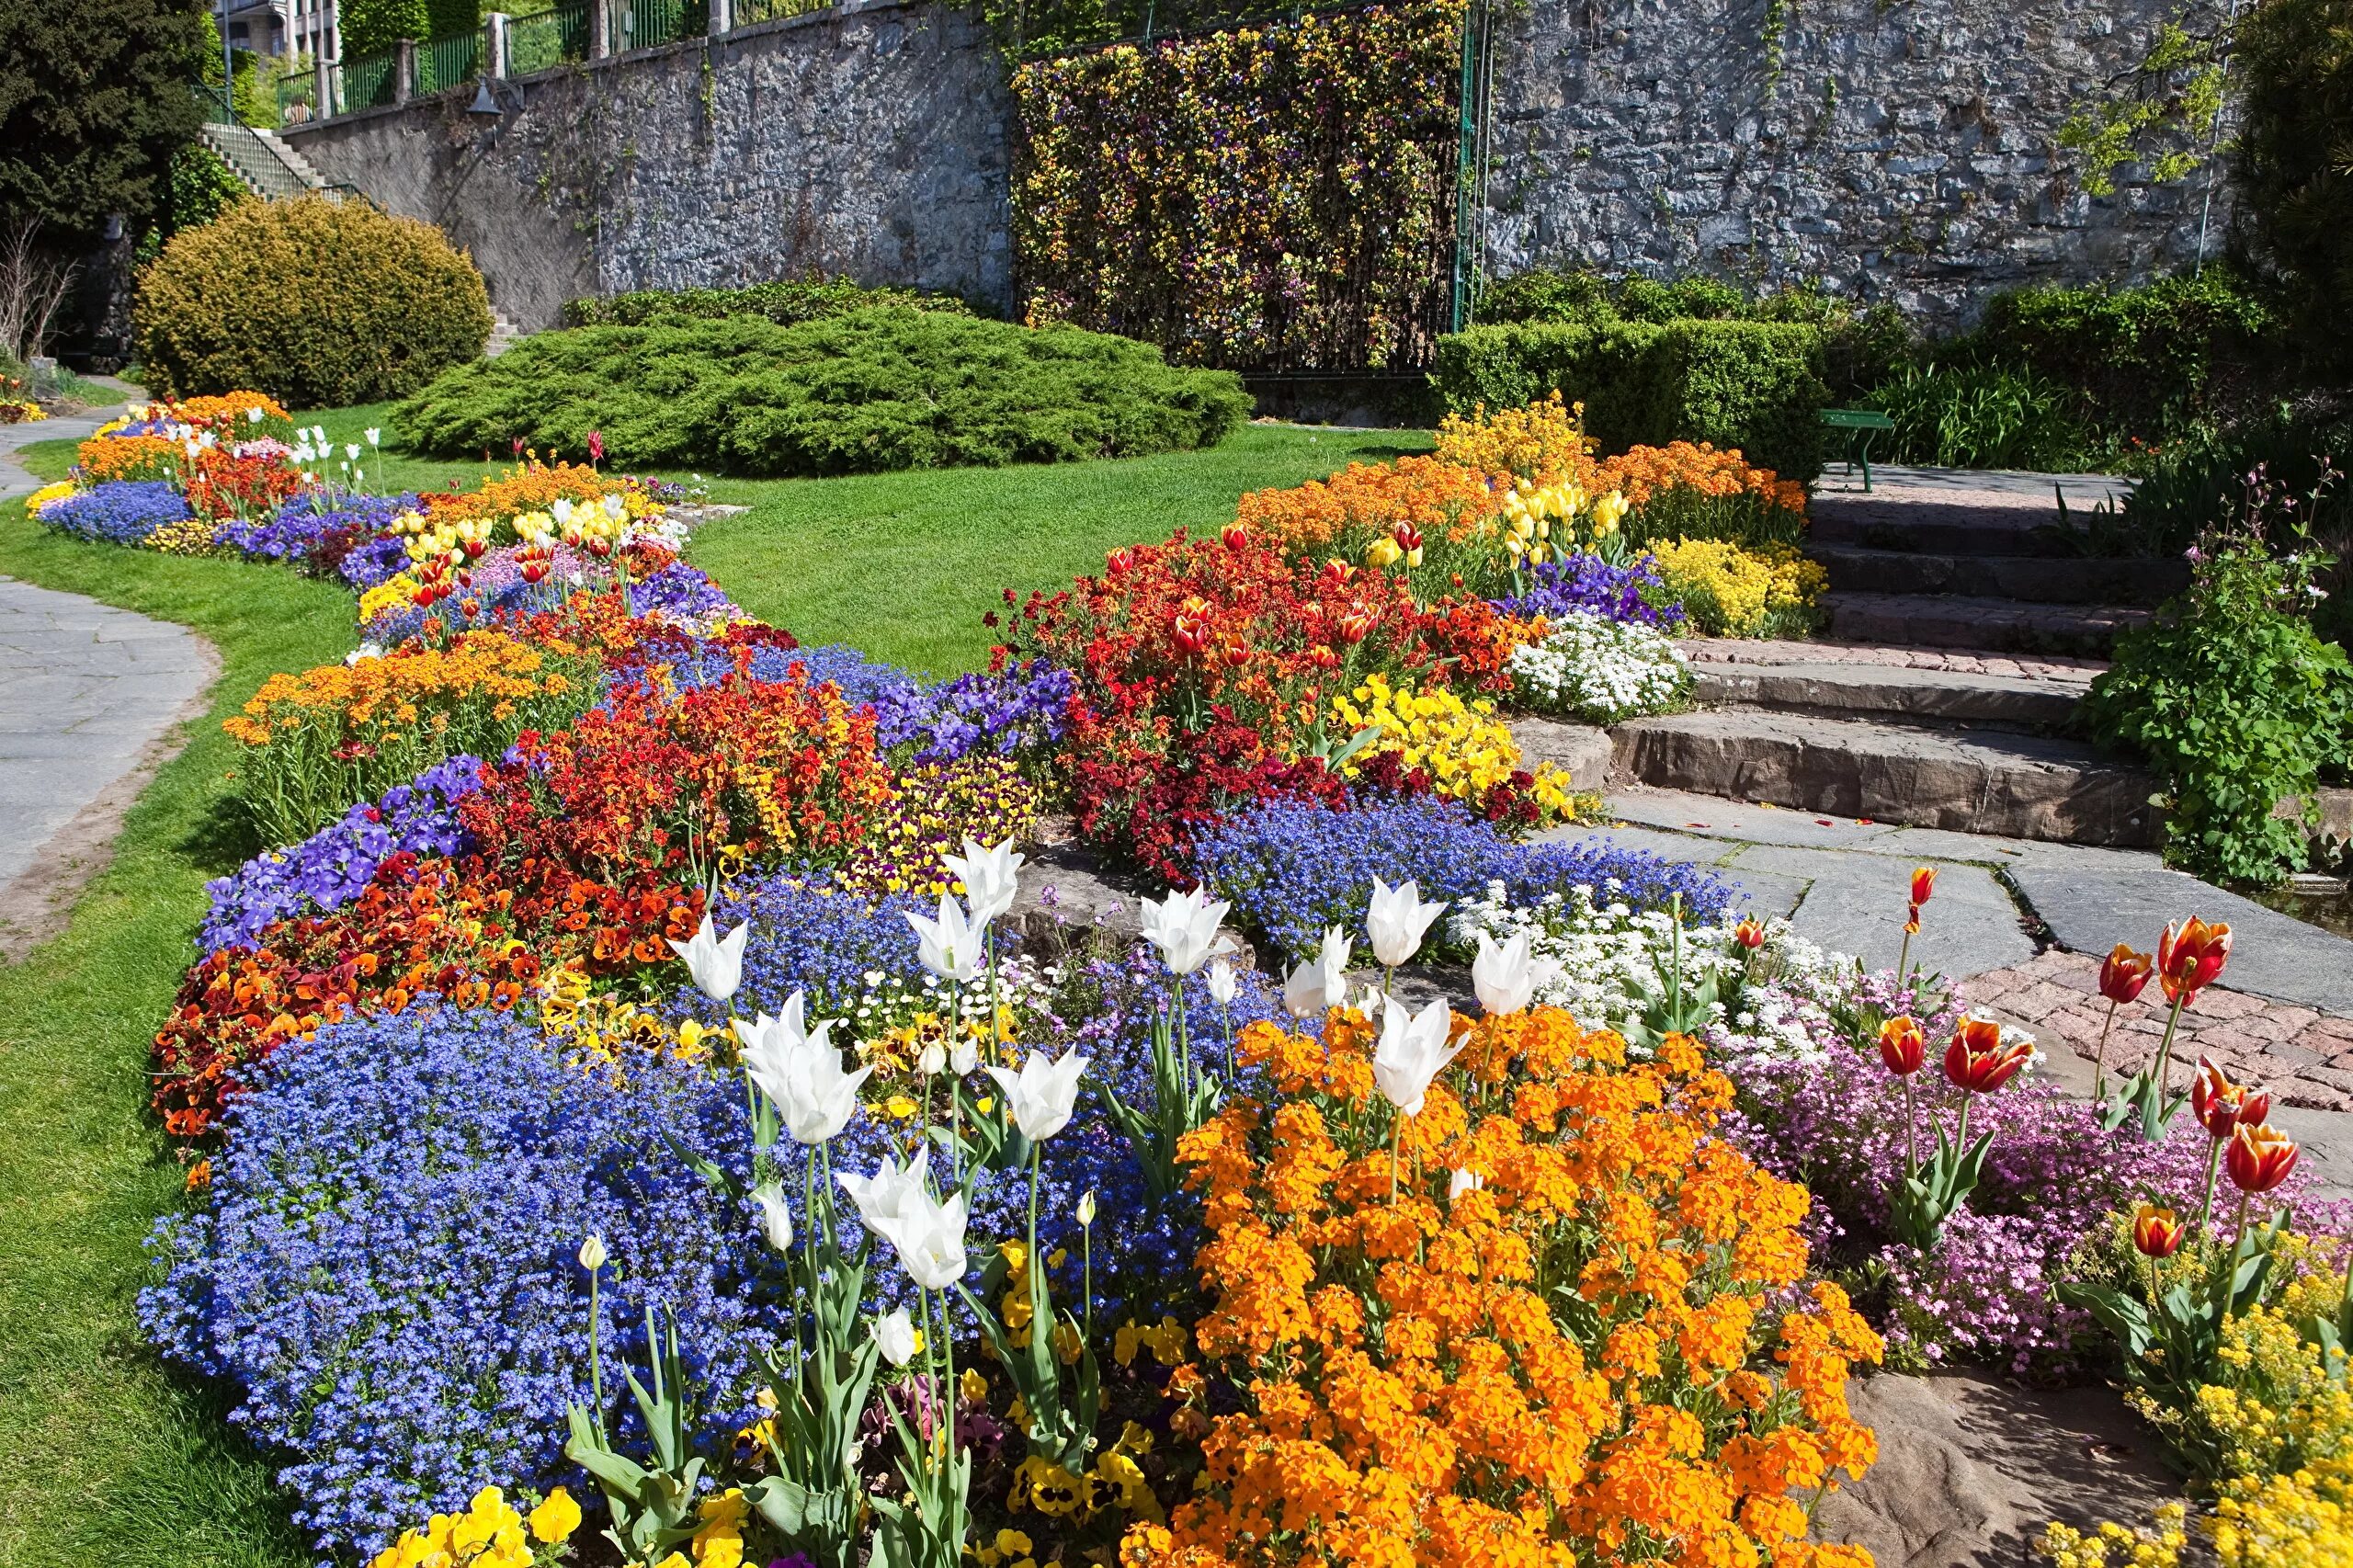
(351,451)
(375,433)
(1222,982)
(592,1254)
(1086,1209)
(1414,1048)
(800,1072)
(253,416)
(990,877)
(1503,976)
(615,507)
(884,1199)
(1184,927)
(716,962)
(930,1239)
(934,1056)
(562,512)
(319,435)
(1463,1182)
(1321,983)
(965,1056)
(776,1220)
(1397,922)
(894,1335)
(1043,1095)
(949,946)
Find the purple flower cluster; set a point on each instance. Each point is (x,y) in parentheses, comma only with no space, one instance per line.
(685,594)
(336,864)
(1292,869)
(2051,1179)
(1591,583)
(121,511)
(314,524)
(386,1274)
(373,561)
(1022,709)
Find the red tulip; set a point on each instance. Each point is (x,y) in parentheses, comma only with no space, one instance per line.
(518,445)
(2223,1105)
(1407,536)
(1191,627)
(1923,883)
(2123,974)
(1235,535)
(1749,934)
(2156,1232)
(2190,956)
(1902,1046)
(1978,1060)
(1118,560)
(1355,627)
(1338,571)
(596,446)
(2260,1157)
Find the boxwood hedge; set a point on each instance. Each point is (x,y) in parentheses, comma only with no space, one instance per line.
(873,390)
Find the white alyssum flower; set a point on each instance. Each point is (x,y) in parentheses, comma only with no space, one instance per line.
(1600,670)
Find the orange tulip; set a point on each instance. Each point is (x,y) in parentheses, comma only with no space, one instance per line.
(1923,883)
(1902,1045)
(2260,1157)
(1191,627)
(2156,1232)
(1749,934)
(2123,974)
(2190,956)
(2223,1105)
(1978,1062)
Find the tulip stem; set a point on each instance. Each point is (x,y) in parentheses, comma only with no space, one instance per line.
(2164,1046)
(2099,1062)
(2206,1209)
(1397,1132)
(595,1362)
(1911,1128)
(1904,958)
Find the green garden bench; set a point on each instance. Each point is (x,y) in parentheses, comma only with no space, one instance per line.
(1862,427)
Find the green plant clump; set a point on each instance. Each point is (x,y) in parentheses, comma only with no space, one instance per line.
(786,303)
(316,303)
(2237,703)
(1757,386)
(876,390)
(1978,416)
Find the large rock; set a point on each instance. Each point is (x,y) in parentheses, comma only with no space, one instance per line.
(1970,1468)
(1579,750)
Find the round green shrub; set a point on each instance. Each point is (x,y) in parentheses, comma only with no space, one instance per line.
(316,303)
(874,390)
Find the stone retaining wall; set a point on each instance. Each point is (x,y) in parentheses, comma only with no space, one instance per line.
(866,140)
(1903,150)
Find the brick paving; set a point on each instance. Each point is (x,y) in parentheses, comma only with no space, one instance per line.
(2053,668)
(2304,1057)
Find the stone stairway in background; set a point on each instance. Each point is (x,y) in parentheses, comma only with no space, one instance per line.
(1967,619)
(262,160)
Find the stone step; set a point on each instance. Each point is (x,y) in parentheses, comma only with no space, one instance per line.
(1955,621)
(1976,781)
(2039,579)
(1958,523)
(1940,697)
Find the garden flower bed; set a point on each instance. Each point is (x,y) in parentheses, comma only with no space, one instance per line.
(622,1123)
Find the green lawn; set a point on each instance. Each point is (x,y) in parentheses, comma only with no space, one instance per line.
(903,565)
(104,1456)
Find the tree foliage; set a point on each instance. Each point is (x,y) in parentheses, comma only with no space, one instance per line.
(2295,153)
(94,102)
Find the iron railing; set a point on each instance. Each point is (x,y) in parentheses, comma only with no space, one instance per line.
(749,12)
(641,24)
(444,63)
(297,90)
(369,80)
(545,40)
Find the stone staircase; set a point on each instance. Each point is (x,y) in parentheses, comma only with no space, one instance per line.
(268,167)
(503,334)
(1967,621)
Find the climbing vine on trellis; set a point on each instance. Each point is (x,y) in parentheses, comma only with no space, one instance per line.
(1278,197)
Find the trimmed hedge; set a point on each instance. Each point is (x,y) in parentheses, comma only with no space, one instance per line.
(879,389)
(785,303)
(1753,385)
(318,303)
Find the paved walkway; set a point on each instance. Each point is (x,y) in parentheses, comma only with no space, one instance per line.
(89,697)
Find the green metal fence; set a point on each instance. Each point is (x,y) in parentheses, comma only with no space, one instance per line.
(748,12)
(297,97)
(446,62)
(641,24)
(547,39)
(369,80)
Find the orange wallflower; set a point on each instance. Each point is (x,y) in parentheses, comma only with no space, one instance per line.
(1464,1419)
(1643,471)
